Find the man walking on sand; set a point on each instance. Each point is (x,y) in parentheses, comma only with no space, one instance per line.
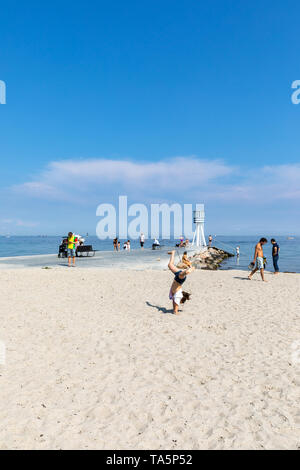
(275,255)
(258,261)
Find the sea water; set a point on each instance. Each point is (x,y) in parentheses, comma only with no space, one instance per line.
(289,256)
(289,259)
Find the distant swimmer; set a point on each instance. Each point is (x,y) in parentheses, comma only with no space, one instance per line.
(177,295)
(237,251)
(259,262)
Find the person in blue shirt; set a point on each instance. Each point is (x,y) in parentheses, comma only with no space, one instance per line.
(275,255)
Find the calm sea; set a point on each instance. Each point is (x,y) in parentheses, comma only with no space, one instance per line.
(289,249)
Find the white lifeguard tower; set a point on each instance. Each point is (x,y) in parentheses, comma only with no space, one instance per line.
(198,219)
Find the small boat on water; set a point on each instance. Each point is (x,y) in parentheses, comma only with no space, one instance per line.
(290,238)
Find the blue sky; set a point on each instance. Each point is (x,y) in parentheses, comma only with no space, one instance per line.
(163,101)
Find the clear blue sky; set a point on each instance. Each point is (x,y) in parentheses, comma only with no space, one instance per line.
(144,82)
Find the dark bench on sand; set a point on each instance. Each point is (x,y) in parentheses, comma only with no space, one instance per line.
(85,250)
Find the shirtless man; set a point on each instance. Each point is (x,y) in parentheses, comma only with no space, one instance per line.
(259,259)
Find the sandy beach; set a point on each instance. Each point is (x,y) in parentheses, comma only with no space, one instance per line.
(96,360)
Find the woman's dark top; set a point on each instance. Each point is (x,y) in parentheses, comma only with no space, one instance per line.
(178,279)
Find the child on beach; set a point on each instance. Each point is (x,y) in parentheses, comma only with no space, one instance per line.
(176,293)
(185,260)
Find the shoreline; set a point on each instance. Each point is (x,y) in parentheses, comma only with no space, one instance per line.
(43,253)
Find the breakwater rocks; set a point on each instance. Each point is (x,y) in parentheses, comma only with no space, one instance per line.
(209,259)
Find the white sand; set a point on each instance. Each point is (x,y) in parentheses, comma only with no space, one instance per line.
(91,365)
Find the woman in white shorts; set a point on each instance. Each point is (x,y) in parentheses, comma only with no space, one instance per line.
(176,293)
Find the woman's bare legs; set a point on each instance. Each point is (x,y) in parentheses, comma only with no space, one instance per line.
(174,270)
(171,264)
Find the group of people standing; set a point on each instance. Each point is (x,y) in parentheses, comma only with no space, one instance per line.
(259,260)
(126,244)
(183,243)
(117,245)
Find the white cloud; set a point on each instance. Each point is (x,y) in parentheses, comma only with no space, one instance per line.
(181,178)
(72,179)
(18,223)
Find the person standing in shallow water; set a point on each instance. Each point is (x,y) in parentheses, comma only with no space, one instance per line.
(142,240)
(275,255)
(115,243)
(258,261)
